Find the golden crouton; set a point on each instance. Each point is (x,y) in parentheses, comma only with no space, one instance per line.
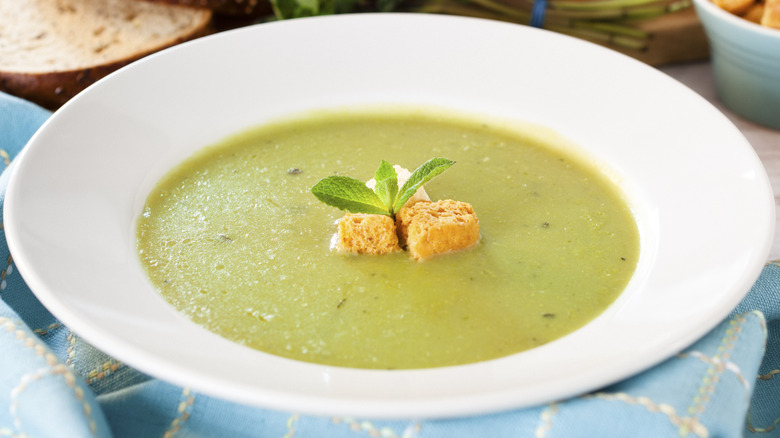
(430,228)
(771,17)
(735,6)
(755,13)
(367,234)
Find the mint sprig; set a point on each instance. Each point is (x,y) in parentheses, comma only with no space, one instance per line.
(352,195)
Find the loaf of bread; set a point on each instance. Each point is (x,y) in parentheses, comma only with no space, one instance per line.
(50,50)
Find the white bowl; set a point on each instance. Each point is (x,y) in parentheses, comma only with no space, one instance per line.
(701,196)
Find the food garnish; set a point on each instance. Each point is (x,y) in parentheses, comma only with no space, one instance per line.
(354,196)
(383,218)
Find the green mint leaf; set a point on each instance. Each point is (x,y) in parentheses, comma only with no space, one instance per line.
(348,194)
(385,171)
(386,184)
(420,176)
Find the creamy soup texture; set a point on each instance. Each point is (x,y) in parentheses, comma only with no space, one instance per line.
(234,239)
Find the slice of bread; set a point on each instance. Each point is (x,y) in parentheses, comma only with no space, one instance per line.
(50,50)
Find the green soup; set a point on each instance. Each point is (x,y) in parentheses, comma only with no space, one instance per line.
(234,239)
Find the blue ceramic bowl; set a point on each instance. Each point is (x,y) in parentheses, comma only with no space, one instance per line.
(745,62)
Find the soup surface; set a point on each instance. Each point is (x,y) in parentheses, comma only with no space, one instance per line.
(234,239)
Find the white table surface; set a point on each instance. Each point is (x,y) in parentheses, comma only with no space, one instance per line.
(765,141)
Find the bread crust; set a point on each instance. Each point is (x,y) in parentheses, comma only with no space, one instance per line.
(55,85)
(51,90)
